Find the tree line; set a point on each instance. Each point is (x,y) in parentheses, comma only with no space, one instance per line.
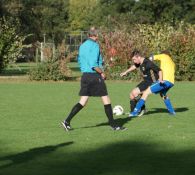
(55,17)
(150,25)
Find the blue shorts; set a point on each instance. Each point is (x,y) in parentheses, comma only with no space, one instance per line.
(162,88)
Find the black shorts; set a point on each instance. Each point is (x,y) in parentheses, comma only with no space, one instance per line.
(92,84)
(144,85)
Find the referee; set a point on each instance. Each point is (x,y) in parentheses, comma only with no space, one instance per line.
(92,80)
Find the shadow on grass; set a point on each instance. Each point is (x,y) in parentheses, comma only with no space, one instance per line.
(119,121)
(164,110)
(75,69)
(125,158)
(122,121)
(14,72)
(30,154)
(73,78)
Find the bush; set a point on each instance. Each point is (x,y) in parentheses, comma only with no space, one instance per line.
(113,73)
(10,42)
(54,67)
(179,39)
(182,48)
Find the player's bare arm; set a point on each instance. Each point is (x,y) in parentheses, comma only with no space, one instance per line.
(160,74)
(132,68)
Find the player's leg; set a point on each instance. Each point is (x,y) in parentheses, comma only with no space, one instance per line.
(109,113)
(76,108)
(168,105)
(136,95)
(133,98)
(140,103)
(166,99)
(143,108)
(154,88)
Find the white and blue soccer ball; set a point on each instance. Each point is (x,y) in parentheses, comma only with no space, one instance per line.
(118,110)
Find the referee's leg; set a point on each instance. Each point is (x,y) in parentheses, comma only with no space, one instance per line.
(76,108)
(108,110)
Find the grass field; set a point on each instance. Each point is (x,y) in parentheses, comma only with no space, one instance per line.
(33,142)
(19,69)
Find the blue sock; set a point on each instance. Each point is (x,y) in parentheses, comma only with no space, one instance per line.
(139,105)
(169,105)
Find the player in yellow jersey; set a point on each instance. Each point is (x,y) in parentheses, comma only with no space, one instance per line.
(162,85)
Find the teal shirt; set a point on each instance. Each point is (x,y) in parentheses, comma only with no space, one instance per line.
(89,56)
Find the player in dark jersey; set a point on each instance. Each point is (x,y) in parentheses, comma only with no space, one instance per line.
(161,86)
(150,73)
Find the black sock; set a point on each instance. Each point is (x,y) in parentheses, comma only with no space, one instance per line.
(132,104)
(74,111)
(109,114)
(143,107)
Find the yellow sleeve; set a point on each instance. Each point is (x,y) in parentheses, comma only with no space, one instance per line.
(158,57)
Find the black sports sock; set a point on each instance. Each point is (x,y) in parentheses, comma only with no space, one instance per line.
(73,112)
(109,114)
(143,107)
(132,104)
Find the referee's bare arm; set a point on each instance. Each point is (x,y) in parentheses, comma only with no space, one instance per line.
(100,71)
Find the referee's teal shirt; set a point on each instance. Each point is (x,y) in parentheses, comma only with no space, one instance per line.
(89,56)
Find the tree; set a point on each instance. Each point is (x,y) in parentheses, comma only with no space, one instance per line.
(11,43)
(45,17)
(81,14)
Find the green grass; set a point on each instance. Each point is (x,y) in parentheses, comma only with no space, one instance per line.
(32,141)
(18,69)
(75,69)
(21,69)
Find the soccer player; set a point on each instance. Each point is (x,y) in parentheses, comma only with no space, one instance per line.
(150,73)
(92,80)
(162,85)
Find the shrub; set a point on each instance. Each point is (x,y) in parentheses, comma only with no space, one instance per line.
(179,39)
(53,68)
(10,42)
(182,45)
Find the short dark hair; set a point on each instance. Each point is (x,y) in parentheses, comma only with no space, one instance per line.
(135,53)
(166,52)
(93,31)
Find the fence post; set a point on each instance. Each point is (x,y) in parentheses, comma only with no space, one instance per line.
(53,49)
(42,56)
(37,55)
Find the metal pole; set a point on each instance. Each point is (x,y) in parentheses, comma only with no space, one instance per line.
(42,56)
(44,38)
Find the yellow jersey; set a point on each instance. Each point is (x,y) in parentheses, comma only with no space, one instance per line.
(167,66)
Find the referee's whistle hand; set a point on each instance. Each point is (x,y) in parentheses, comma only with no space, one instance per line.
(103,76)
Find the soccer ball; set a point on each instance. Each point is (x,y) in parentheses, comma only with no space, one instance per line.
(118,110)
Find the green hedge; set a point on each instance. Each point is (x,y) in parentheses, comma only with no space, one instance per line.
(11,42)
(53,69)
(178,39)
